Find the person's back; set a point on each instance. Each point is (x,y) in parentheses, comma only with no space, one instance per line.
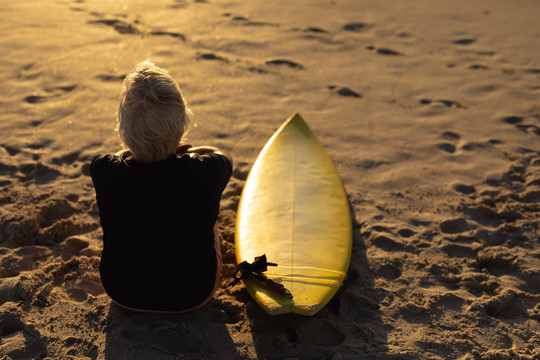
(159,202)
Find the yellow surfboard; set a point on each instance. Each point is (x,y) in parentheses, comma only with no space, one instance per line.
(294,209)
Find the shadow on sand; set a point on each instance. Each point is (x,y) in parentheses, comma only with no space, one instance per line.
(197,335)
(349,327)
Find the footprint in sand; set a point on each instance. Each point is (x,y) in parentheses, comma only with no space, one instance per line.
(178,4)
(210,56)
(464,189)
(530,197)
(133,27)
(67,159)
(81,347)
(478,67)
(533,71)
(119,26)
(49,223)
(28,66)
(454,226)
(66,88)
(54,210)
(111,78)
(169,33)
(29,72)
(18,342)
(74,245)
(413,313)
(478,283)
(284,62)
(406,233)
(529,128)
(56,92)
(246,22)
(229,312)
(34,99)
(384,51)
(447,103)
(316,30)
(446,301)
(12,150)
(519,123)
(450,135)
(449,145)
(501,260)
(389,269)
(459,251)
(344,91)
(237,18)
(11,324)
(464,41)
(241,171)
(469,146)
(512,119)
(386,243)
(39,172)
(356,27)
(388,52)
(256,69)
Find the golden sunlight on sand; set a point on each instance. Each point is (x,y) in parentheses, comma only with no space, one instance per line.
(430,111)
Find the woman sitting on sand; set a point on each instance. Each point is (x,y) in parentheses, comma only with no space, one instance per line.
(158,202)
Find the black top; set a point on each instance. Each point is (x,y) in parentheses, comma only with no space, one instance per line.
(157,220)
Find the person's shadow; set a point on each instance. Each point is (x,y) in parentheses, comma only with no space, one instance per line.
(349,327)
(200,334)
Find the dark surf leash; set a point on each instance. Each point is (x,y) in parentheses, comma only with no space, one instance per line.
(246,270)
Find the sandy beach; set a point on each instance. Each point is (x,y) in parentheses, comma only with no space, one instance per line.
(430,111)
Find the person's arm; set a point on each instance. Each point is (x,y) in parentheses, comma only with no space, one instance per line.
(182,149)
(201,150)
(122,152)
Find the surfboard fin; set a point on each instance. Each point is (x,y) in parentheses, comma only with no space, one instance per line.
(255,270)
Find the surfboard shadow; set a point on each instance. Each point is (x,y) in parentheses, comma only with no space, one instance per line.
(199,334)
(349,326)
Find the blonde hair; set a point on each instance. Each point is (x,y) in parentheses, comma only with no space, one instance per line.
(152,115)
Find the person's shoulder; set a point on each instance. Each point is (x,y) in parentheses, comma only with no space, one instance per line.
(211,162)
(223,166)
(218,159)
(218,156)
(205,158)
(103,161)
